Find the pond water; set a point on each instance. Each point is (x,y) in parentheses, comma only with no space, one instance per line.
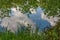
(37,18)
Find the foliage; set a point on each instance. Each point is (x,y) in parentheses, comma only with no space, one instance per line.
(49,5)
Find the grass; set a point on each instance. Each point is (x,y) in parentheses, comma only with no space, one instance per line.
(51,5)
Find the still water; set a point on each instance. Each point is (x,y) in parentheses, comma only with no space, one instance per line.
(36,18)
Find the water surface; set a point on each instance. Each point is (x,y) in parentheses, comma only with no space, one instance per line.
(36,18)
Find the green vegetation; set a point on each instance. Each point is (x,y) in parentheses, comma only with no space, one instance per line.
(49,5)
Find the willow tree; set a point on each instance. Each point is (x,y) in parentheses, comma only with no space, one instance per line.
(51,6)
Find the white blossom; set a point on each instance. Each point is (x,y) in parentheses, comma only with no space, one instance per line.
(32,10)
